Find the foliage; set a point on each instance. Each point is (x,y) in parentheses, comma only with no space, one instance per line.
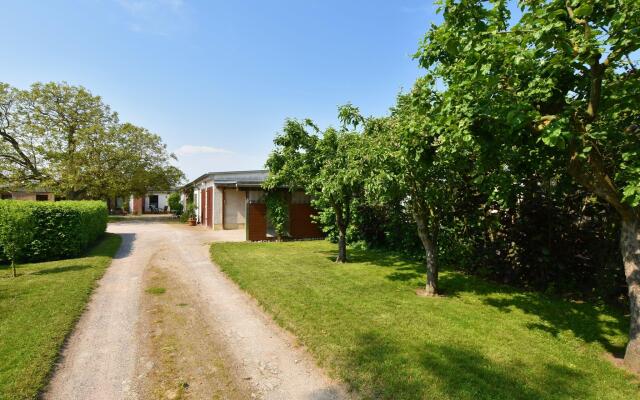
(558,77)
(327,165)
(63,137)
(553,91)
(174,203)
(37,231)
(190,210)
(413,162)
(480,341)
(16,232)
(38,311)
(278,212)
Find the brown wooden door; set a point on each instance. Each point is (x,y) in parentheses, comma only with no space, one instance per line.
(257,222)
(210,207)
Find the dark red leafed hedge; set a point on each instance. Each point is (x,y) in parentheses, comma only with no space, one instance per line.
(39,231)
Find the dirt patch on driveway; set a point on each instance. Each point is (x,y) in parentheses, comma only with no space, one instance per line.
(180,355)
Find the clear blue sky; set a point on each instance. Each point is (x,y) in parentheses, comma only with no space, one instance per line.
(216,79)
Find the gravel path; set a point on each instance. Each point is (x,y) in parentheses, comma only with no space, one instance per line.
(100,359)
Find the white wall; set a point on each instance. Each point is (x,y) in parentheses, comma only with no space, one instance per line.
(163,200)
(234,208)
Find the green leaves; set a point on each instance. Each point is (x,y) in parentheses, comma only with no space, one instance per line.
(37,231)
(277,212)
(64,137)
(327,164)
(584,10)
(556,134)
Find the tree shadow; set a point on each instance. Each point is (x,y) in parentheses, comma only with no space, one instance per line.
(590,322)
(583,319)
(587,321)
(380,258)
(378,368)
(57,270)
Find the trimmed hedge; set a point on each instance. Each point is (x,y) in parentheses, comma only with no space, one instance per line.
(41,231)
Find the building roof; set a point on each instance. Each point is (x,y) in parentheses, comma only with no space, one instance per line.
(251,178)
(7,189)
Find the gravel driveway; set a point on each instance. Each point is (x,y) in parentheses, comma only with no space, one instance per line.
(102,357)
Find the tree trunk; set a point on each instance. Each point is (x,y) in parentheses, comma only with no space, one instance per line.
(13,267)
(431,288)
(341,224)
(630,248)
(342,245)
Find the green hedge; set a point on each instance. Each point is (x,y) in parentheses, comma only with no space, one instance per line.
(39,231)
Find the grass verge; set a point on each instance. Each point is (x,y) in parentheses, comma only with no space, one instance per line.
(38,309)
(365,325)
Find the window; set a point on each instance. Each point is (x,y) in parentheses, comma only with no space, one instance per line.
(6,196)
(42,197)
(153,201)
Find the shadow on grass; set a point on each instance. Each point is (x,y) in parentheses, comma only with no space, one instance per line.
(67,268)
(584,320)
(379,369)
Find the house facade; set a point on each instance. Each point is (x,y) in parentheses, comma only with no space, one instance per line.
(151,203)
(236,200)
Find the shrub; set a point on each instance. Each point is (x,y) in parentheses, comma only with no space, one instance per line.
(38,231)
(174,203)
(189,212)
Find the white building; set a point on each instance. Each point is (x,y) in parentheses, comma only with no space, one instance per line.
(151,202)
(221,197)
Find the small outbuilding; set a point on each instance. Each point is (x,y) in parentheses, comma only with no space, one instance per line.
(236,200)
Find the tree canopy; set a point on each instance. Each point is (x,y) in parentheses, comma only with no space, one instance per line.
(62,137)
(326,164)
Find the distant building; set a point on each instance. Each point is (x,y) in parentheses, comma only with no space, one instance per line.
(153,202)
(39,194)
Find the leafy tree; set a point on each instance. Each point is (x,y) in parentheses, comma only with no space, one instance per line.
(68,120)
(560,80)
(327,165)
(63,137)
(413,161)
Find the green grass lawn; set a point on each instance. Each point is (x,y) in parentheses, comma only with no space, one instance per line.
(38,309)
(365,325)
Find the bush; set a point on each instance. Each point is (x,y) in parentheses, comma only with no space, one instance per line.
(39,231)
(190,212)
(174,203)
